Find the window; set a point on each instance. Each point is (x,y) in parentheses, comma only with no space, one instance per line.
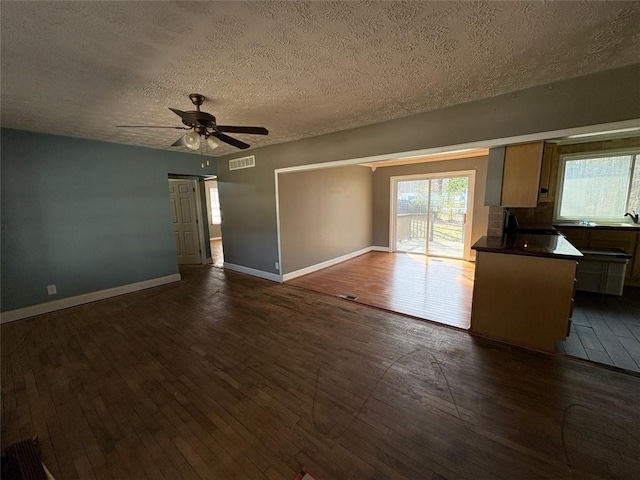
(216,218)
(599,186)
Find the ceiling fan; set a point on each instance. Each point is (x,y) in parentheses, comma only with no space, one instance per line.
(203,124)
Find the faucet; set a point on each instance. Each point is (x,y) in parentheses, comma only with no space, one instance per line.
(634,216)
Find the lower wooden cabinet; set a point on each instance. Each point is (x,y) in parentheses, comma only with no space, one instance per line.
(523,300)
(579,237)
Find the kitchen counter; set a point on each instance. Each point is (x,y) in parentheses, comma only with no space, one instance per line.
(551,246)
(523,288)
(606,237)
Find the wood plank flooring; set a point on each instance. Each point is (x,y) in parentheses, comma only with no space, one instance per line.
(217,254)
(606,329)
(223,375)
(435,289)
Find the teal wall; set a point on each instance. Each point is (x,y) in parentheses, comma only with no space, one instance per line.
(84,215)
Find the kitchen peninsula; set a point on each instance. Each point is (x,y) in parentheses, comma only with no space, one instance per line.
(524,287)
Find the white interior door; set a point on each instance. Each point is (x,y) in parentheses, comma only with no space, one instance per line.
(185,221)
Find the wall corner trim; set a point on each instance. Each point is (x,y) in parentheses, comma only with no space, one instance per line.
(48,307)
(274,277)
(327,263)
(380,249)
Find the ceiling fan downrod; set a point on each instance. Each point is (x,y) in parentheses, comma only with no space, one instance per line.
(197,100)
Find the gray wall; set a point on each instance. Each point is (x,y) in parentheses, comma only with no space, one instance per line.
(84,215)
(248,196)
(324,214)
(381,193)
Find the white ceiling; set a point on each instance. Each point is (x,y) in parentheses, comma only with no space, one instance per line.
(298,68)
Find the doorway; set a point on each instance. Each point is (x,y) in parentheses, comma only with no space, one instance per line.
(429,214)
(214,215)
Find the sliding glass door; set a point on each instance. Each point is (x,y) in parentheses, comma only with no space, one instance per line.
(412,216)
(430,214)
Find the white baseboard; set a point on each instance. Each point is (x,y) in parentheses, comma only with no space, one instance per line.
(274,277)
(48,307)
(325,264)
(380,249)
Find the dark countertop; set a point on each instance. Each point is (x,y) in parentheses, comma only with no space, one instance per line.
(600,226)
(550,246)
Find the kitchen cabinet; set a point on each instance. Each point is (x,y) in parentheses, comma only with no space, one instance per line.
(579,237)
(513,175)
(548,173)
(523,289)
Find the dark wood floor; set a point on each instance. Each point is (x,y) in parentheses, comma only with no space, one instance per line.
(436,289)
(606,329)
(224,376)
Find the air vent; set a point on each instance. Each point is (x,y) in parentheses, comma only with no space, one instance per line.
(346,296)
(244,162)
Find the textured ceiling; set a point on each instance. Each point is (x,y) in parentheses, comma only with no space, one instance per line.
(298,68)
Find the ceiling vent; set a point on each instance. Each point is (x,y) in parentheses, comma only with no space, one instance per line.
(244,162)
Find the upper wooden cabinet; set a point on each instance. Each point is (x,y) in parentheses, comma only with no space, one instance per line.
(513,175)
(548,173)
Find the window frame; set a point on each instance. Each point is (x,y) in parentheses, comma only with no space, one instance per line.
(562,161)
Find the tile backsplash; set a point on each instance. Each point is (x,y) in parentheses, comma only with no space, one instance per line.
(496,222)
(542,215)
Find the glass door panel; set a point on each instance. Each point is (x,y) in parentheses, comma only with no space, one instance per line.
(447,216)
(412,199)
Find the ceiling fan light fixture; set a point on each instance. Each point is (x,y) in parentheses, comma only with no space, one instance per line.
(203,124)
(192,140)
(212,144)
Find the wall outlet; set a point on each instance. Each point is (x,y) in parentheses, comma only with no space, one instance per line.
(277,265)
(51,289)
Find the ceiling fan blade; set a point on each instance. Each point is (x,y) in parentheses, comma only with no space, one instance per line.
(231,141)
(187,117)
(149,126)
(250,130)
(179,142)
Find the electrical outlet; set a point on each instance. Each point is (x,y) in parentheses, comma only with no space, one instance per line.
(277,265)
(51,289)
